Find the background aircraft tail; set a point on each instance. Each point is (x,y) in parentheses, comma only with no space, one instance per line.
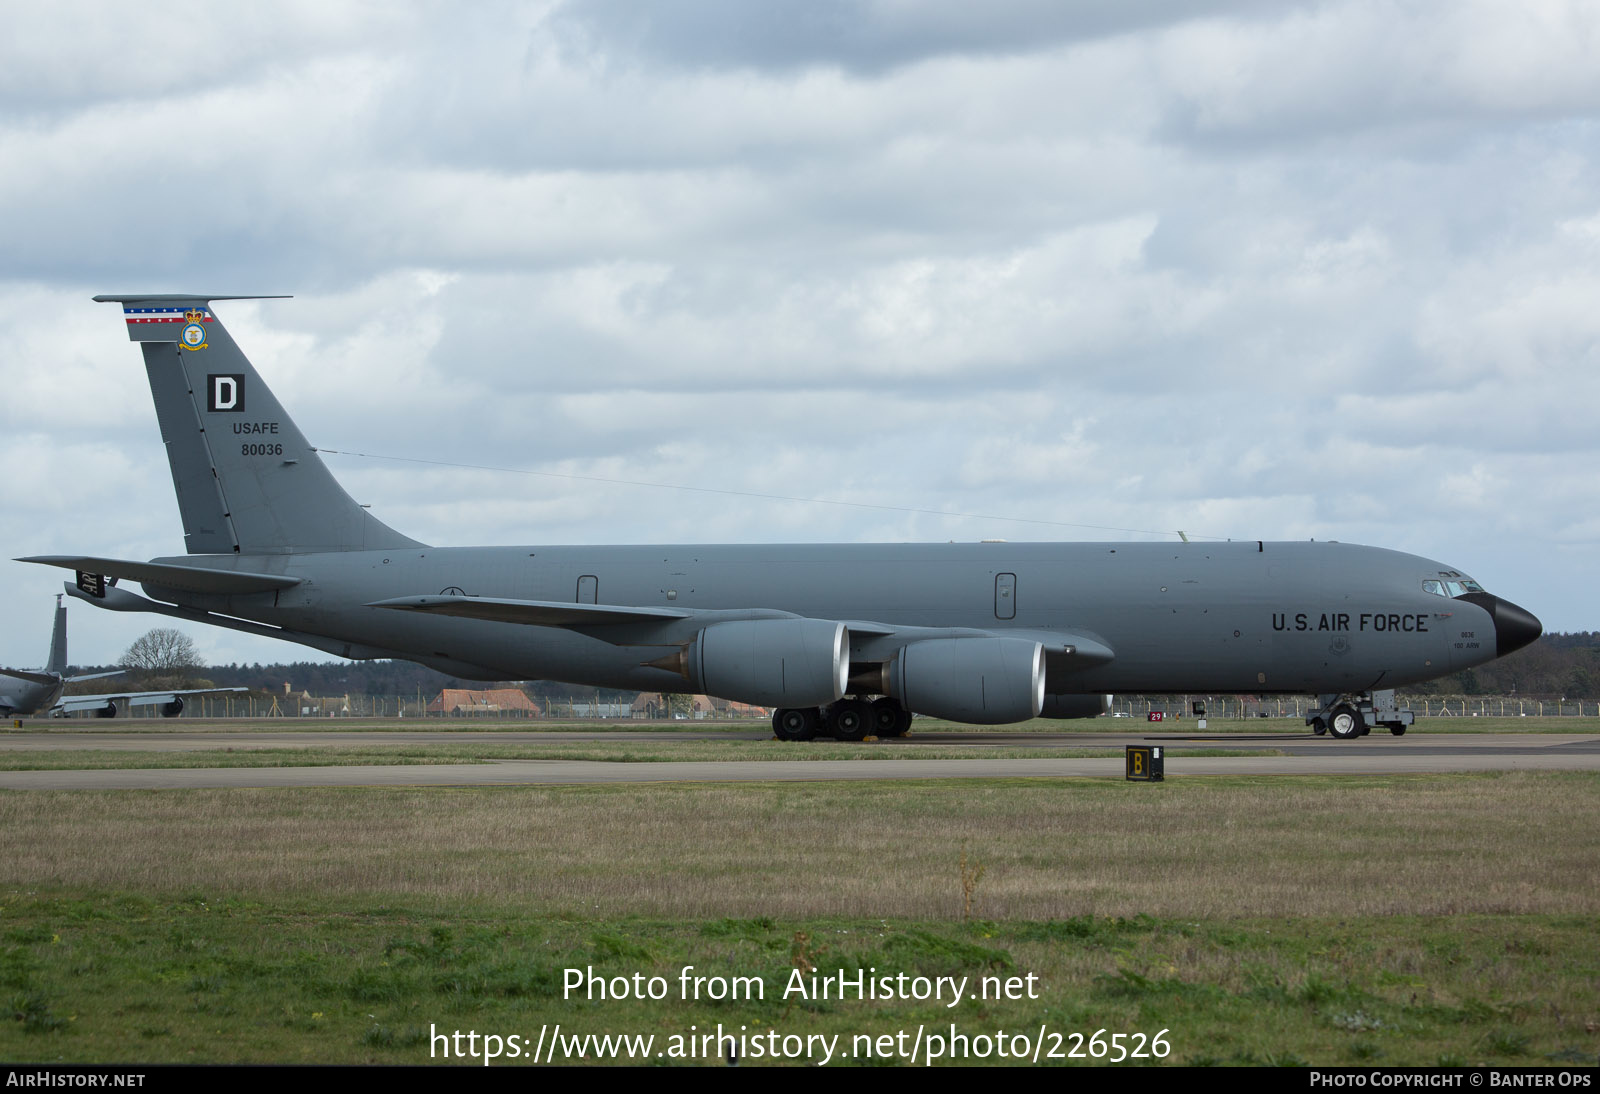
(58,642)
(246,478)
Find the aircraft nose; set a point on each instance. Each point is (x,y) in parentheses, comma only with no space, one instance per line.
(1514,627)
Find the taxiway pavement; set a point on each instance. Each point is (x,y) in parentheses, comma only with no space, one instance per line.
(1302,754)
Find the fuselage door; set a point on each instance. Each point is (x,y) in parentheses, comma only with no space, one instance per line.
(588,589)
(1005,596)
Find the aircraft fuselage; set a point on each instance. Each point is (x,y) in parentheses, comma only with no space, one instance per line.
(1190,617)
(25,697)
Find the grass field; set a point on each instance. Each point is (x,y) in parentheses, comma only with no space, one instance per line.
(1401,920)
(206,978)
(1284,919)
(1196,847)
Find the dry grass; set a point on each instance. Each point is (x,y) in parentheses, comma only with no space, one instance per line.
(1217,847)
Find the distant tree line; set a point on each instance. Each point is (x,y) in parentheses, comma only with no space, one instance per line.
(1558,666)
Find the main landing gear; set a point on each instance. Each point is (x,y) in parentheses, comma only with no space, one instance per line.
(852,719)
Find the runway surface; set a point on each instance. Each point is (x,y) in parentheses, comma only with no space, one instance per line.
(1303,755)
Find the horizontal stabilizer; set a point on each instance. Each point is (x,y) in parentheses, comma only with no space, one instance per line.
(161,317)
(189,579)
(32,677)
(534,613)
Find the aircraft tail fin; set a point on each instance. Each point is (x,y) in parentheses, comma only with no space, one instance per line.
(247,480)
(58,641)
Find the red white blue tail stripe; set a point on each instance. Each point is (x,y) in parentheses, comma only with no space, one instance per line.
(138,316)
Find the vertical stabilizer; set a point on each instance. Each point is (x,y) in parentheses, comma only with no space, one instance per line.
(247,480)
(58,641)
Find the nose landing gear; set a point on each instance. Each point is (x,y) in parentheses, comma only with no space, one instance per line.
(1346,717)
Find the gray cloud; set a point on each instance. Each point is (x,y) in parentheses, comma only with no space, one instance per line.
(1247,270)
(869,37)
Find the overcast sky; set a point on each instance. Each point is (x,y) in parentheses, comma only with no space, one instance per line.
(1251,270)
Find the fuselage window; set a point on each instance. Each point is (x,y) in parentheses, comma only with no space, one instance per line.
(1434,587)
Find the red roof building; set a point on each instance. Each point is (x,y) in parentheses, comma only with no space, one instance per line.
(494,703)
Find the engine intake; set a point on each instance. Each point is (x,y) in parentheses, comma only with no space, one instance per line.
(985,681)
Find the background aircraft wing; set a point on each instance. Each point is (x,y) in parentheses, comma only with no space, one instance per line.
(95,676)
(71,703)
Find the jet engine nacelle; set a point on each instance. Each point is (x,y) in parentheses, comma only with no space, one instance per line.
(172,709)
(987,681)
(1075,706)
(107,711)
(771,662)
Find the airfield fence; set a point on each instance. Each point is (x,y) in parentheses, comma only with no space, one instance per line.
(1234,706)
(400,707)
(407,707)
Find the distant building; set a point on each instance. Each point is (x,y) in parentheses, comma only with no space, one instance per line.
(653,704)
(494,703)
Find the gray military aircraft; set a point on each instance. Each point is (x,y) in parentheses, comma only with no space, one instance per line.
(31,692)
(974,632)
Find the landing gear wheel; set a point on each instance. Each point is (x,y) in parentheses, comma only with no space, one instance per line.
(1319,726)
(1345,722)
(886,718)
(849,720)
(795,723)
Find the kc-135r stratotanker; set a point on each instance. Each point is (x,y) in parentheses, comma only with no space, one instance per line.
(974,632)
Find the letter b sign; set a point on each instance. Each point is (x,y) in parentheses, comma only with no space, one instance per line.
(225,392)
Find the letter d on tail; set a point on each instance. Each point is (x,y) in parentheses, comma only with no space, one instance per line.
(226,392)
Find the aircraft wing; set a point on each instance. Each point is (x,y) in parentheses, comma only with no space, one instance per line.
(536,613)
(1071,650)
(1080,648)
(190,579)
(71,703)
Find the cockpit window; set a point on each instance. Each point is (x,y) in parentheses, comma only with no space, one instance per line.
(1451,585)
